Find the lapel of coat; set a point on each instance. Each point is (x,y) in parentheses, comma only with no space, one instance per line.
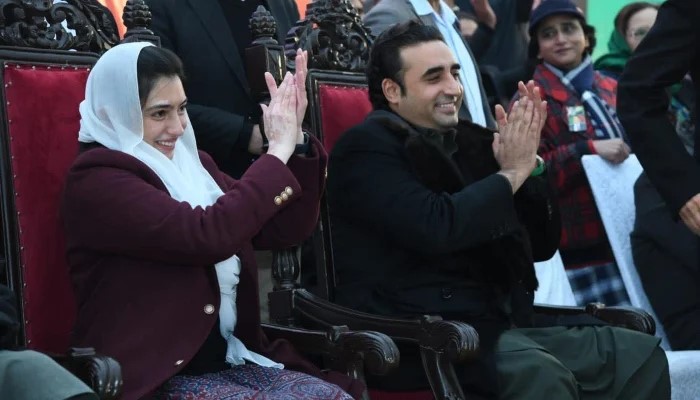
(215,24)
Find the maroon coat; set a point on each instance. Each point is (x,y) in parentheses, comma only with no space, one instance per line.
(142,262)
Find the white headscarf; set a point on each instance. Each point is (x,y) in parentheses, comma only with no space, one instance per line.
(111,115)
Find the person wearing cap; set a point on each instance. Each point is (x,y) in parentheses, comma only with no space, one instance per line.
(581,120)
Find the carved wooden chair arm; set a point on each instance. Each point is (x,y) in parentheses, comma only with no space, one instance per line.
(350,352)
(440,343)
(627,317)
(456,339)
(101,373)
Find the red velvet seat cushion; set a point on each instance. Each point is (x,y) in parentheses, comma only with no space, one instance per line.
(43,119)
(341,108)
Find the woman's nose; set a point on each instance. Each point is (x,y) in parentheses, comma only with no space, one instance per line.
(176,126)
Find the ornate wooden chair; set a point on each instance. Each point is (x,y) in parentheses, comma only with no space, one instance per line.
(42,86)
(338,47)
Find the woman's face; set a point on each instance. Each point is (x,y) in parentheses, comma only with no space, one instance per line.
(165,115)
(638,26)
(561,41)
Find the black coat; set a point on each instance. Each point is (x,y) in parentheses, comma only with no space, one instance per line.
(418,232)
(9,325)
(666,256)
(668,52)
(217,88)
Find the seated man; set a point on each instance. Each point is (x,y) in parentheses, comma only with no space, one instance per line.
(28,374)
(434,217)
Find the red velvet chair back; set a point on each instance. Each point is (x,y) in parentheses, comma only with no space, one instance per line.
(38,143)
(337,102)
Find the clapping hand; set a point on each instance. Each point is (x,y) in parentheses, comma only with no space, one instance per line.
(300,62)
(280,117)
(515,144)
(284,115)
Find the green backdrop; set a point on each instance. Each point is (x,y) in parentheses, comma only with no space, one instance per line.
(601,14)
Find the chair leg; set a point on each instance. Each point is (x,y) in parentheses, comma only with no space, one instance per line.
(441,375)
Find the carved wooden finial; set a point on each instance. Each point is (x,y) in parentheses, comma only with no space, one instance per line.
(263,27)
(136,15)
(137,19)
(84,25)
(333,34)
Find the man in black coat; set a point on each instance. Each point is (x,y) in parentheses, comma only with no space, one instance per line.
(210,36)
(432,216)
(669,51)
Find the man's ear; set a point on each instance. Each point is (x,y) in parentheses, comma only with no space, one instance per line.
(391,90)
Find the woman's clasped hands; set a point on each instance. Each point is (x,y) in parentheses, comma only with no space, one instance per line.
(283,116)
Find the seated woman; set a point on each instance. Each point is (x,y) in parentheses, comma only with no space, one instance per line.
(581,119)
(160,242)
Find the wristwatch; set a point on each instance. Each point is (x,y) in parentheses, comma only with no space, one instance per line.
(539,166)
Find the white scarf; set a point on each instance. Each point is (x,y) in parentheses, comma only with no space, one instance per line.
(111,115)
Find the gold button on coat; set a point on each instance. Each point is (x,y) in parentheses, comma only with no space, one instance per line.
(278,200)
(209,309)
(289,191)
(179,362)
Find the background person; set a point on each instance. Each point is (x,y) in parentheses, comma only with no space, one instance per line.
(581,120)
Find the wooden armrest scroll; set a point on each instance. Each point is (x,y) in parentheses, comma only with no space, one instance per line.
(352,351)
(626,317)
(441,343)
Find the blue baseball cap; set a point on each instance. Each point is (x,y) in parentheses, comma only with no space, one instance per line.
(553,7)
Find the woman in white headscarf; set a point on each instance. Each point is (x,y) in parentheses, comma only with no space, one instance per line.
(160,242)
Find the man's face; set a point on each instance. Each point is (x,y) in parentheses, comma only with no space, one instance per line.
(433,92)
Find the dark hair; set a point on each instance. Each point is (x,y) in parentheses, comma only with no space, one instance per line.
(385,56)
(155,63)
(622,19)
(588,31)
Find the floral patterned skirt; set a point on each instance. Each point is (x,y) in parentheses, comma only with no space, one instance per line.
(250,382)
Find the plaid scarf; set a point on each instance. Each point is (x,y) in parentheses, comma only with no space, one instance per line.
(603,117)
